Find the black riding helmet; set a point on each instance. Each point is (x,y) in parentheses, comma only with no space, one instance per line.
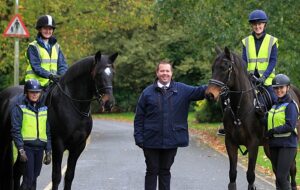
(32,85)
(281,80)
(45,20)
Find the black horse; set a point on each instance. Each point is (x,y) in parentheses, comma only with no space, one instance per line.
(243,126)
(69,115)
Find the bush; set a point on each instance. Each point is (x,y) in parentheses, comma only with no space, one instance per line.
(206,111)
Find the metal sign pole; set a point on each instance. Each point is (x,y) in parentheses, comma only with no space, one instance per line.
(16,62)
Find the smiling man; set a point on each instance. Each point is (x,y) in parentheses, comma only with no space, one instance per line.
(160,123)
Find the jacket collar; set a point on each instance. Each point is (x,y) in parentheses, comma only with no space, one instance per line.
(172,87)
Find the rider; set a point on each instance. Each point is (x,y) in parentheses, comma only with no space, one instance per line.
(260,51)
(282,131)
(260,54)
(44,56)
(31,132)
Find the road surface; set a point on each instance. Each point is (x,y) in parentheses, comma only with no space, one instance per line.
(111,161)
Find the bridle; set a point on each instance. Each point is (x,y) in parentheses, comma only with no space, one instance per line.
(98,95)
(226,99)
(226,92)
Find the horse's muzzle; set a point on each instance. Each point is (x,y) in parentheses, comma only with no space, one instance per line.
(212,93)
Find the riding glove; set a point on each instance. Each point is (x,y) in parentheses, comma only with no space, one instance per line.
(54,78)
(22,155)
(270,133)
(47,158)
(261,80)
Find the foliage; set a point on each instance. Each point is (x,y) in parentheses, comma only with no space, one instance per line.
(206,111)
(146,31)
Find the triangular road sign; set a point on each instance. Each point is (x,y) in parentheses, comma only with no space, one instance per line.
(16,28)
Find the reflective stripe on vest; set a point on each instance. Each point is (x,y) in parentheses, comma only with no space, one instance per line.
(34,124)
(276,118)
(49,63)
(261,60)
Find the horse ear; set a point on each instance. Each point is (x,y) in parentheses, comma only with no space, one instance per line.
(218,50)
(98,57)
(113,57)
(227,52)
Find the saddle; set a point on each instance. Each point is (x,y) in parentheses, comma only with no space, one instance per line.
(263,99)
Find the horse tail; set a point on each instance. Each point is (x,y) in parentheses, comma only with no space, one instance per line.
(297,93)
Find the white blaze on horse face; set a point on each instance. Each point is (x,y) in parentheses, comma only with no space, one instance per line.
(107,71)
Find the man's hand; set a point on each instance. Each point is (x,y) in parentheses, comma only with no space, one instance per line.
(54,78)
(47,158)
(22,155)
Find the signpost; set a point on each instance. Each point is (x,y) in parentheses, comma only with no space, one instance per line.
(16,28)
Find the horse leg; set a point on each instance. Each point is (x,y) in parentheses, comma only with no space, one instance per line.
(57,155)
(253,151)
(72,160)
(232,154)
(18,171)
(6,168)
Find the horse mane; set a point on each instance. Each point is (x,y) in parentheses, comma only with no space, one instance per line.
(240,63)
(79,68)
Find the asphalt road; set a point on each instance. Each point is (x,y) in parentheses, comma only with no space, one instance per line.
(111,161)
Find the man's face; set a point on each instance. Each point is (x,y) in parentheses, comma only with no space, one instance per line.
(33,96)
(164,73)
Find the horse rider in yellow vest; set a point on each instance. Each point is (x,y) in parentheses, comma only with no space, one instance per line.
(31,132)
(44,56)
(260,54)
(282,133)
(260,51)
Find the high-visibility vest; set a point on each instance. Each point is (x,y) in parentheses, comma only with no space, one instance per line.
(34,125)
(49,63)
(261,60)
(276,117)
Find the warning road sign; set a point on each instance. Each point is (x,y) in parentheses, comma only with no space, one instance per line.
(16,28)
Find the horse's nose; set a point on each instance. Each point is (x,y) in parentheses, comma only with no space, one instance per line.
(108,105)
(209,96)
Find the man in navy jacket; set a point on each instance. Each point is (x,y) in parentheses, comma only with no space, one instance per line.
(160,124)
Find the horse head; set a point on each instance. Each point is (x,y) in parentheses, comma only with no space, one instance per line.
(103,77)
(224,73)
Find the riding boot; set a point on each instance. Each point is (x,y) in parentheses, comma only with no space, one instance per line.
(221,131)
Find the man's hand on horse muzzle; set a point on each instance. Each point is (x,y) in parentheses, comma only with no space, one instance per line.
(54,78)
(47,158)
(22,155)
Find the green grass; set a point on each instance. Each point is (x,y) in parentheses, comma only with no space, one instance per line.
(211,128)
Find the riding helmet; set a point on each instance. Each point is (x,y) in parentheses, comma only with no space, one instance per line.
(258,16)
(32,85)
(45,20)
(281,80)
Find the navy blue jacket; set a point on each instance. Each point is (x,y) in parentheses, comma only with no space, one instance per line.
(35,60)
(161,118)
(273,55)
(291,116)
(16,122)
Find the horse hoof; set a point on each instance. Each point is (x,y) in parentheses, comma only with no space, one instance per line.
(251,187)
(232,186)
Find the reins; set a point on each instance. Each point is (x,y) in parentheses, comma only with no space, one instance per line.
(98,95)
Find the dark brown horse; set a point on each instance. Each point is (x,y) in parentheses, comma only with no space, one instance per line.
(69,116)
(231,83)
